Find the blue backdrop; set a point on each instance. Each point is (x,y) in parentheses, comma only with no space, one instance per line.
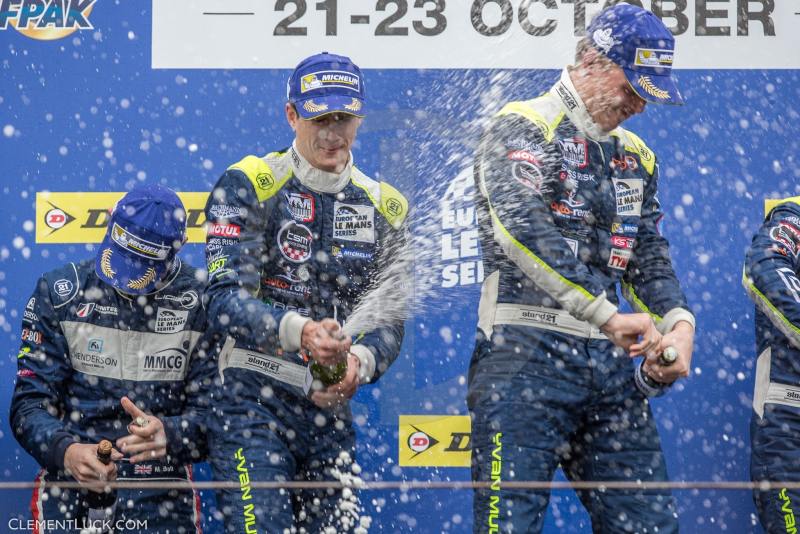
(87,113)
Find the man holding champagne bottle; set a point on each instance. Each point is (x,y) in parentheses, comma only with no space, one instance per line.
(113,349)
(568,210)
(293,242)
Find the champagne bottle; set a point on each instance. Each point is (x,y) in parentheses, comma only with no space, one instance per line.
(329,374)
(646,384)
(101,506)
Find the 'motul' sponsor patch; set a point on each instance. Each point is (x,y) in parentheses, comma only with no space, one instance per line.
(353,222)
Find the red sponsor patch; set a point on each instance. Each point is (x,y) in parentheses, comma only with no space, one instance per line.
(622,241)
(25,372)
(224,230)
(523,155)
(618,259)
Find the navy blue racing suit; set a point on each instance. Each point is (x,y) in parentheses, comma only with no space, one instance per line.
(84,347)
(566,213)
(770,278)
(288,243)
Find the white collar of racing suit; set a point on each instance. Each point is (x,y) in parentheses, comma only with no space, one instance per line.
(317,179)
(576,110)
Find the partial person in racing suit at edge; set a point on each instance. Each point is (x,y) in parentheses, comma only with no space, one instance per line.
(294,237)
(567,206)
(770,278)
(111,341)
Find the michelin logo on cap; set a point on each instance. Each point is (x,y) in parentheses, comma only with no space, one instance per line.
(137,245)
(646,57)
(329,78)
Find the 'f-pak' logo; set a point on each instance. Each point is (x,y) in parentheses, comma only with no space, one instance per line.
(46,20)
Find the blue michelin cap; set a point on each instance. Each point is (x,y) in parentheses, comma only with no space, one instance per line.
(145,231)
(326,83)
(638,41)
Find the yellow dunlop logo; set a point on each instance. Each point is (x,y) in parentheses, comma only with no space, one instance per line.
(143,281)
(82,217)
(105,263)
(650,88)
(311,107)
(435,441)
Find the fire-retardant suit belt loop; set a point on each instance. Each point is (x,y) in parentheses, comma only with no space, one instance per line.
(545,318)
(273,367)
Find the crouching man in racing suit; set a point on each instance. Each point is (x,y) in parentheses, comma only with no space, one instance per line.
(112,349)
(568,208)
(293,242)
(770,278)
